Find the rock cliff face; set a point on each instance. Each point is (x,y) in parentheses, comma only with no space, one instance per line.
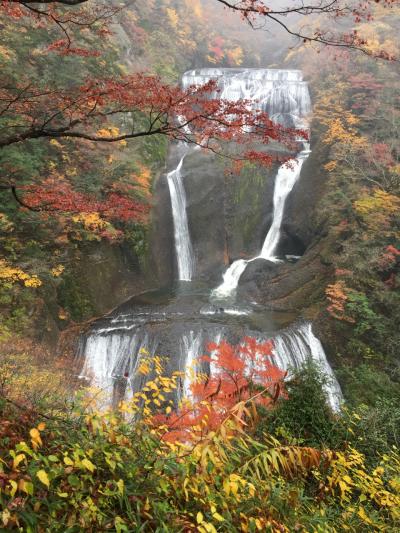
(103,276)
(299,285)
(229,216)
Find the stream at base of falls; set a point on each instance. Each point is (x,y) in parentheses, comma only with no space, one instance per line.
(178,322)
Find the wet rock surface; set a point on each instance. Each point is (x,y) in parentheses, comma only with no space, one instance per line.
(228,215)
(291,286)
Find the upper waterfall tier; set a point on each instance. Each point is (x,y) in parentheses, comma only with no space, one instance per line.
(281,93)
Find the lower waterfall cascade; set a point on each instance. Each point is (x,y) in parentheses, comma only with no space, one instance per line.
(182,320)
(112,357)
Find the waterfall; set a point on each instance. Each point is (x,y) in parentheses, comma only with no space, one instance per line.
(112,355)
(284,95)
(115,346)
(191,346)
(293,347)
(284,183)
(281,93)
(297,345)
(183,244)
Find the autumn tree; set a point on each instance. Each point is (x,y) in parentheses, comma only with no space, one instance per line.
(235,375)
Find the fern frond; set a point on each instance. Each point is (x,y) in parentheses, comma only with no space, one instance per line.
(286,461)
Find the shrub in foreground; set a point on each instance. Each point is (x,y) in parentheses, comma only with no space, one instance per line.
(119,471)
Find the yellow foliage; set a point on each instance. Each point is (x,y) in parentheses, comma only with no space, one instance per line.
(111,131)
(340,132)
(12,274)
(7,54)
(28,379)
(5,223)
(143,180)
(330,166)
(377,210)
(173,17)
(91,221)
(55,143)
(195,7)
(338,294)
(44,478)
(57,271)
(235,56)
(349,476)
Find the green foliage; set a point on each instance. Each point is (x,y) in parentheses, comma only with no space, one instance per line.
(359,308)
(82,469)
(366,384)
(73,298)
(305,414)
(375,430)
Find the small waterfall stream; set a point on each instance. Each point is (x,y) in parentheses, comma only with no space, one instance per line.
(183,245)
(284,183)
(181,323)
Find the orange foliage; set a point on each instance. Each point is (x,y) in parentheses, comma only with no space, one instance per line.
(337,294)
(241,373)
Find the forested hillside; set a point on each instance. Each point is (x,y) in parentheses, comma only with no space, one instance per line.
(199,266)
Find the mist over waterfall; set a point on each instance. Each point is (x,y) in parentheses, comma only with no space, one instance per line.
(180,320)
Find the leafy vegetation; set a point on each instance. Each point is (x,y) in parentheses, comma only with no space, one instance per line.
(356,125)
(242,451)
(75,468)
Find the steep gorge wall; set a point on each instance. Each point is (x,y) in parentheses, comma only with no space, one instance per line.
(228,215)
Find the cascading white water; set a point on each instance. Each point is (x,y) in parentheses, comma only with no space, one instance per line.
(113,354)
(281,93)
(284,183)
(296,346)
(191,345)
(284,95)
(105,358)
(183,244)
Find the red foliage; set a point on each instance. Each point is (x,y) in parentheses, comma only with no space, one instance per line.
(63,47)
(343,272)
(58,195)
(242,372)
(217,48)
(88,112)
(389,258)
(380,154)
